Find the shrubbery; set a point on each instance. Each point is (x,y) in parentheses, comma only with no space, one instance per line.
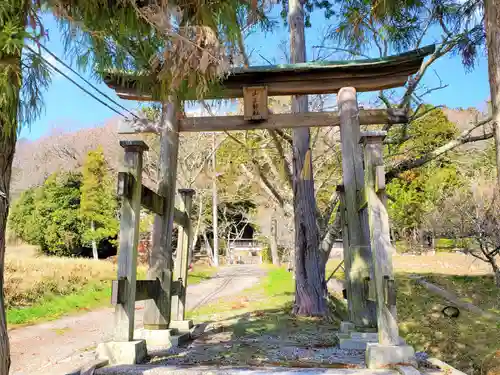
(51,216)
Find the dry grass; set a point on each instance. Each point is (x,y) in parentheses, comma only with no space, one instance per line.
(29,278)
(441,263)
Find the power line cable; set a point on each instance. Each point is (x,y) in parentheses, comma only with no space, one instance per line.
(75,83)
(85,80)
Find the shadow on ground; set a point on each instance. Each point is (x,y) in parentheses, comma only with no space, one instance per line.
(264,337)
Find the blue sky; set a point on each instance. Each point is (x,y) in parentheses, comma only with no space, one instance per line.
(67,108)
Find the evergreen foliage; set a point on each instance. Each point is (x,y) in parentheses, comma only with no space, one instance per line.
(56,216)
(416,193)
(98,203)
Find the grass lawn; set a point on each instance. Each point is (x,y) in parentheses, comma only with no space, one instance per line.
(39,288)
(468,342)
(267,309)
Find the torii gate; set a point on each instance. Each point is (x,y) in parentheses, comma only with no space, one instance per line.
(367,248)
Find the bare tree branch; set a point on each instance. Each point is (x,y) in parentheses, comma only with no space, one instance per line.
(464,137)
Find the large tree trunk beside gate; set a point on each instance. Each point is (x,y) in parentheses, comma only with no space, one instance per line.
(8,137)
(310,285)
(7,147)
(492,25)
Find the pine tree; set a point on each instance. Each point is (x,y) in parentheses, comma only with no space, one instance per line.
(98,204)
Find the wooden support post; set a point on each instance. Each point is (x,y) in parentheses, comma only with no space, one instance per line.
(157,311)
(380,238)
(184,241)
(358,256)
(129,240)
(343,221)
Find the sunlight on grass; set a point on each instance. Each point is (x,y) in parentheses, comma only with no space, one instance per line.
(466,342)
(266,309)
(53,307)
(463,342)
(39,288)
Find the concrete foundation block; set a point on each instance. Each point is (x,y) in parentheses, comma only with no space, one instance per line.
(407,370)
(122,353)
(352,344)
(380,356)
(182,325)
(356,340)
(346,327)
(368,336)
(163,338)
(157,337)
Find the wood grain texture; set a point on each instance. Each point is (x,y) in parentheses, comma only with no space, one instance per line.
(184,241)
(343,220)
(358,258)
(278,121)
(144,290)
(380,241)
(129,239)
(157,311)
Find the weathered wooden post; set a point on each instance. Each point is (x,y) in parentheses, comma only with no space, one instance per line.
(343,220)
(357,257)
(157,311)
(184,241)
(123,349)
(129,238)
(390,348)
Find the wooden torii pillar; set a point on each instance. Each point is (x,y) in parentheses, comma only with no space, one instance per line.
(390,348)
(129,346)
(357,254)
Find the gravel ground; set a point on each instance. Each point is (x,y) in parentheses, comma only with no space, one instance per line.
(63,345)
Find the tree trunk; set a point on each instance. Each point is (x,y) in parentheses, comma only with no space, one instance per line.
(8,137)
(274,243)
(492,21)
(7,147)
(94,243)
(215,223)
(310,285)
(496,271)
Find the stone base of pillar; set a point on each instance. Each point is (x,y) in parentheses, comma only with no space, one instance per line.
(182,325)
(164,338)
(359,340)
(346,327)
(356,340)
(122,353)
(383,356)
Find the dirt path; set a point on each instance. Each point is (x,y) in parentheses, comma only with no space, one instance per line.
(61,346)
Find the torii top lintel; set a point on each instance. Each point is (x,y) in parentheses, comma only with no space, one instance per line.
(325,77)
